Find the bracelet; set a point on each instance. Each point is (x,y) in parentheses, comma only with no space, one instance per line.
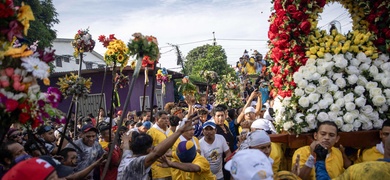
(310,161)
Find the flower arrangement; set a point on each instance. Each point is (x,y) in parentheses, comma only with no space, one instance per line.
(21,100)
(163,77)
(145,47)
(121,81)
(294,23)
(352,91)
(210,76)
(186,87)
(117,51)
(74,85)
(82,42)
(228,92)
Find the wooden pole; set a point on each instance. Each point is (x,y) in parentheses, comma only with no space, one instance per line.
(101,94)
(112,101)
(77,100)
(68,119)
(153,91)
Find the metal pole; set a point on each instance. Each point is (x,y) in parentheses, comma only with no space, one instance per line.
(101,94)
(77,100)
(112,101)
(153,90)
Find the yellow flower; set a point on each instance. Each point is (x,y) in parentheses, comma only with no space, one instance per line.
(25,15)
(109,52)
(46,81)
(88,83)
(18,52)
(120,58)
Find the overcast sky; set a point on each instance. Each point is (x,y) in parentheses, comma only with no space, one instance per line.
(238,24)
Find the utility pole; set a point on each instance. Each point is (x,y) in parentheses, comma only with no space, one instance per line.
(214,40)
(179,57)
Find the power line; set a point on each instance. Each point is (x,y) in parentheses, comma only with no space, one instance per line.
(242,40)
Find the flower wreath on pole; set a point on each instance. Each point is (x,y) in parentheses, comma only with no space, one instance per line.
(21,65)
(145,47)
(347,72)
(228,92)
(82,42)
(163,77)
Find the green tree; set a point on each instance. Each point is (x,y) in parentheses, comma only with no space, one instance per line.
(45,17)
(207,57)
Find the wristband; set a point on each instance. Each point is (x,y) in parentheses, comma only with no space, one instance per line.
(310,161)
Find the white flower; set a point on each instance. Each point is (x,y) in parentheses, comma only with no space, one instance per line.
(348,55)
(362,57)
(304,102)
(311,69)
(348,118)
(363,118)
(360,101)
(352,70)
(310,61)
(298,76)
(338,95)
(387,92)
(349,106)
(385,66)
(340,102)
(321,69)
(364,67)
(341,83)
(355,113)
(384,108)
(348,97)
(322,116)
(352,79)
(288,125)
(322,89)
(328,57)
(315,76)
(379,100)
(383,57)
(375,92)
(379,76)
(310,118)
(359,90)
(38,68)
(373,71)
(339,122)
(333,87)
(332,115)
(328,97)
(278,119)
(286,101)
(320,62)
(340,61)
(329,65)
(302,84)
(367,109)
(378,124)
(34,89)
(314,108)
(362,81)
(347,128)
(374,116)
(335,108)
(371,85)
(305,129)
(385,82)
(299,92)
(355,62)
(356,125)
(378,63)
(310,88)
(314,97)
(330,73)
(323,104)
(323,81)
(367,126)
(298,118)
(337,76)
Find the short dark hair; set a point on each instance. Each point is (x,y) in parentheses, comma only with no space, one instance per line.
(141,143)
(330,123)
(160,113)
(386,123)
(5,152)
(218,109)
(139,124)
(138,113)
(64,152)
(174,120)
(202,112)
(223,106)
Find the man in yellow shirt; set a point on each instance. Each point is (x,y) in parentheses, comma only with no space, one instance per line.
(159,132)
(377,151)
(326,136)
(193,166)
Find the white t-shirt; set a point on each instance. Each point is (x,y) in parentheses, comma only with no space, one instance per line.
(213,153)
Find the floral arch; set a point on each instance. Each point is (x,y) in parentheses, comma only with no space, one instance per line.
(298,49)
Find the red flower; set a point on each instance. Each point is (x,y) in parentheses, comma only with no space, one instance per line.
(321,3)
(273,28)
(276,69)
(278,5)
(24,117)
(11,105)
(298,15)
(291,9)
(305,27)
(277,54)
(387,33)
(112,37)
(147,62)
(102,38)
(380,41)
(7,9)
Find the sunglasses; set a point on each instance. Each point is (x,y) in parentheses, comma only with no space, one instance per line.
(16,135)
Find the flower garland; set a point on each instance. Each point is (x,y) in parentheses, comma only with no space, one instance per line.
(117,51)
(228,92)
(82,42)
(163,77)
(353,91)
(74,85)
(21,100)
(186,87)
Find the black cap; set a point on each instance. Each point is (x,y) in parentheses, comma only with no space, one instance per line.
(43,129)
(89,127)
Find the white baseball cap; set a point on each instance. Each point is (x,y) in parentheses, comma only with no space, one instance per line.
(261,124)
(258,137)
(249,109)
(250,164)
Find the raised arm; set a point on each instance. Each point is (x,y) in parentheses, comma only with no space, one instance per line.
(248,103)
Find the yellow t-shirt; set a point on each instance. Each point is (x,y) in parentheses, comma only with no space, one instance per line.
(367,170)
(158,137)
(204,174)
(276,155)
(371,154)
(251,69)
(177,173)
(334,162)
(103,144)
